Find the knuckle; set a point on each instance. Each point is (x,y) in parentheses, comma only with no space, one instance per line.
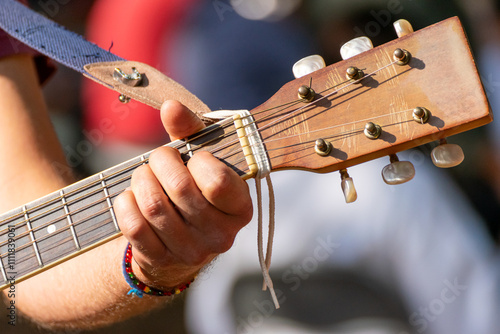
(153,205)
(220,185)
(180,182)
(246,212)
(223,243)
(220,239)
(132,226)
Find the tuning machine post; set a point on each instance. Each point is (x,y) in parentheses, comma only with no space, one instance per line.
(304,67)
(322,147)
(372,130)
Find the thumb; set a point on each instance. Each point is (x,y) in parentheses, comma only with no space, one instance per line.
(178,120)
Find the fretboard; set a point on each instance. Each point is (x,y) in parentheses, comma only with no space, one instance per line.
(77,218)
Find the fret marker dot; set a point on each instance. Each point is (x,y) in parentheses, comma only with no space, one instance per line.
(51,228)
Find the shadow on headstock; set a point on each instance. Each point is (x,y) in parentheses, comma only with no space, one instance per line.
(419,88)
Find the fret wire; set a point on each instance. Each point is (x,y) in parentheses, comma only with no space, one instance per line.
(108,201)
(76,211)
(143,159)
(189,149)
(87,194)
(2,268)
(32,237)
(24,246)
(29,270)
(91,184)
(80,209)
(69,219)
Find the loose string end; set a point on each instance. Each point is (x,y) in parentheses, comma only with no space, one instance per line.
(265,263)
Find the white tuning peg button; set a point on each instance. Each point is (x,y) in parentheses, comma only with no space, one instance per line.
(308,65)
(402,27)
(398,172)
(348,188)
(447,155)
(355,47)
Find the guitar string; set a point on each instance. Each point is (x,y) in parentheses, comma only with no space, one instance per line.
(267,125)
(63,229)
(340,135)
(95,226)
(292,113)
(126,178)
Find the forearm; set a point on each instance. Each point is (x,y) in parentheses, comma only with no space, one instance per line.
(86,292)
(89,290)
(28,144)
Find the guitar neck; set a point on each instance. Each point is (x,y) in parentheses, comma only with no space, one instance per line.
(80,217)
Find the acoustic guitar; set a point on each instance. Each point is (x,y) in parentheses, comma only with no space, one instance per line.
(421,87)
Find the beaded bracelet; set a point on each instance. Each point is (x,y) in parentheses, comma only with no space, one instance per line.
(138,287)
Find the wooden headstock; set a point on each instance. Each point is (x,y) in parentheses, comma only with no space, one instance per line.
(440,76)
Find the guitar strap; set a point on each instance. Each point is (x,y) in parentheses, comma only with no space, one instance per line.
(131,79)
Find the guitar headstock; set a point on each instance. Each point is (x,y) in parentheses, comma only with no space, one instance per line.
(418,88)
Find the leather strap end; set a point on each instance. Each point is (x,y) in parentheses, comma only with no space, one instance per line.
(152,89)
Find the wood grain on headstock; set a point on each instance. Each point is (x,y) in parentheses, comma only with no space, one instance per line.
(441,77)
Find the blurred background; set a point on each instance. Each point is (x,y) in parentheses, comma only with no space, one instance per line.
(384,275)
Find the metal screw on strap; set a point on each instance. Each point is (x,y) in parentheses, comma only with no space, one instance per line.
(132,80)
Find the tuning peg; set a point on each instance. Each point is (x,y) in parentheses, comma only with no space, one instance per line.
(348,188)
(447,155)
(398,172)
(308,65)
(355,47)
(403,27)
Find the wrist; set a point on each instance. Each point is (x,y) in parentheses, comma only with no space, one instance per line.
(143,282)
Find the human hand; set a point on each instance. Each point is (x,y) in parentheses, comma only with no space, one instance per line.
(174,236)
